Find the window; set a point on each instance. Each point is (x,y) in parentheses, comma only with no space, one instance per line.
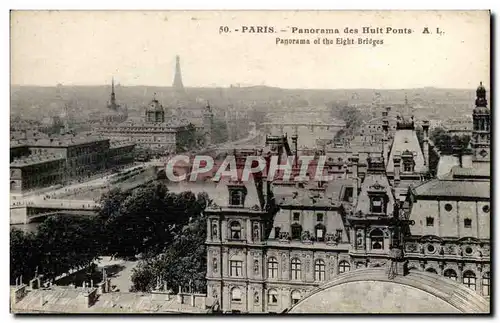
(377,239)
(296,268)
(273,297)
(430,248)
(236,294)
(448,207)
(429,221)
(408,167)
(377,204)
(236,268)
(451,274)
(320,232)
(236,198)
(469,280)
(277,232)
(486,284)
(467,223)
(431,270)
(319,217)
(348,193)
(338,235)
(272,268)
(319,270)
(295,297)
(296,231)
(344,266)
(296,216)
(235,230)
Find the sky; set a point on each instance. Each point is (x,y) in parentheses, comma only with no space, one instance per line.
(139,48)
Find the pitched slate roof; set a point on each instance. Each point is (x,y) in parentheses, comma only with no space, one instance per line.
(406,139)
(454,188)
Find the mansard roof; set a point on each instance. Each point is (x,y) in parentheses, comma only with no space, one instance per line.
(373,182)
(406,140)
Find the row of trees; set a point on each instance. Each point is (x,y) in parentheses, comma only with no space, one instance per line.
(147,221)
(447,143)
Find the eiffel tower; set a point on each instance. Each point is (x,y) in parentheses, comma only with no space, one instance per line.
(177,85)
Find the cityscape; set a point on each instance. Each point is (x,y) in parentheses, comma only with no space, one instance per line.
(97,225)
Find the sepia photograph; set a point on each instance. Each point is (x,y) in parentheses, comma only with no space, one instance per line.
(250,162)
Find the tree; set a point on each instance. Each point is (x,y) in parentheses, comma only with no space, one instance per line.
(220,132)
(24,255)
(67,242)
(447,143)
(183,263)
(352,118)
(146,220)
(61,243)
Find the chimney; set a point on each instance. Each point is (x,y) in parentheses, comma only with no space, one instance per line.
(425,127)
(397,167)
(355,168)
(466,157)
(385,127)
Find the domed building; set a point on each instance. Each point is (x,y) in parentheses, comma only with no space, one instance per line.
(383,238)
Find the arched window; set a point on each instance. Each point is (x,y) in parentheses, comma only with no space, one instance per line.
(344,266)
(296,268)
(272,296)
(12,185)
(235,230)
(469,280)
(296,231)
(236,294)
(320,232)
(486,284)
(319,270)
(377,239)
(295,297)
(272,268)
(451,274)
(431,270)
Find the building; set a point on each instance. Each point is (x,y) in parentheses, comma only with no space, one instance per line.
(274,247)
(34,171)
(155,132)
(44,161)
(451,234)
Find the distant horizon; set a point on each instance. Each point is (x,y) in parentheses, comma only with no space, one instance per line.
(245,86)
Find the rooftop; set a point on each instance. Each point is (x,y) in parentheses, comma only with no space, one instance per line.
(454,188)
(34,159)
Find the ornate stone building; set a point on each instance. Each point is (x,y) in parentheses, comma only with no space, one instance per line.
(273,244)
(155,132)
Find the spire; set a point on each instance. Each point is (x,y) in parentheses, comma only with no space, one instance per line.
(113,97)
(177,85)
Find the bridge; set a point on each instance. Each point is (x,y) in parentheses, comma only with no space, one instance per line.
(312,126)
(27,213)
